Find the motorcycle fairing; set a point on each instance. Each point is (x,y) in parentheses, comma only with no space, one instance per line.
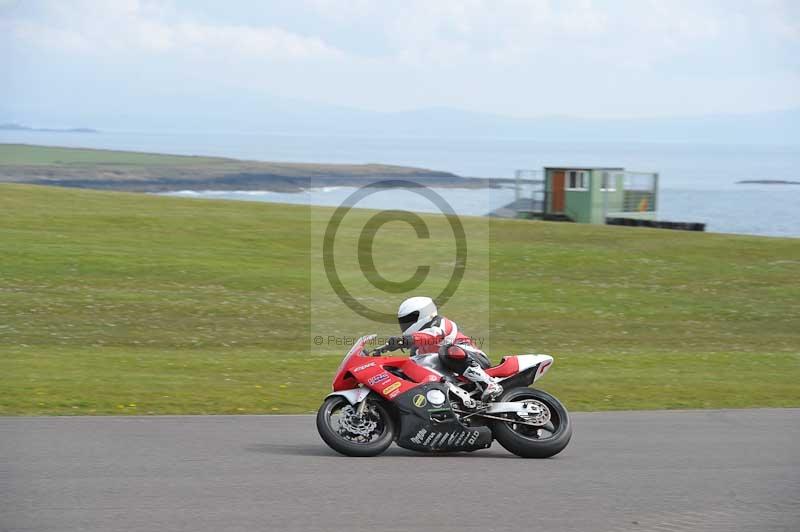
(534,367)
(429,427)
(353,396)
(511,365)
(390,377)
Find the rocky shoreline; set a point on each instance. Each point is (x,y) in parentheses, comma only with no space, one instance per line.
(169,180)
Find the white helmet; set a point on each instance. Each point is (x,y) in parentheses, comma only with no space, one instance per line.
(414,313)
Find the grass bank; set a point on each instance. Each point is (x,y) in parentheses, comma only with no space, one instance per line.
(125,303)
(155,172)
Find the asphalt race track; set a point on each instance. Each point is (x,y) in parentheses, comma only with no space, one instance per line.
(701,470)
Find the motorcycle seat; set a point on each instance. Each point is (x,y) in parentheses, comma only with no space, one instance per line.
(507,367)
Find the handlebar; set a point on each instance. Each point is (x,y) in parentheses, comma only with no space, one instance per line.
(378,351)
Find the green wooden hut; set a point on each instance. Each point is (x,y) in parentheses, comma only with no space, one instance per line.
(593,194)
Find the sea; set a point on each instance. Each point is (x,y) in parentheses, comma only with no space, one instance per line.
(698,182)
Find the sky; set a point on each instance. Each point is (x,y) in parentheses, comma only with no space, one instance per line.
(522,58)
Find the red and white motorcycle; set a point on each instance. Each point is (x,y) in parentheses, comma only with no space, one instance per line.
(415,401)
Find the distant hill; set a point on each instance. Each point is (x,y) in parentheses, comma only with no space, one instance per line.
(778,127)
(18,127)
(767,182)
(265,113)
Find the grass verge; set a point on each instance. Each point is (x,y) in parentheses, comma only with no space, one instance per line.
(124,303)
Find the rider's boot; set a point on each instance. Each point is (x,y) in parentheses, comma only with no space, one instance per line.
(476,374)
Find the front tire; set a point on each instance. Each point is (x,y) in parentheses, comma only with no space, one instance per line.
(517,434)
(351,435)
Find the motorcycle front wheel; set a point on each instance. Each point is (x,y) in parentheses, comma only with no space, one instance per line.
(352,434)
(538,436)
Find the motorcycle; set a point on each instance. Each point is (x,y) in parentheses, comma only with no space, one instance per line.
(415,402)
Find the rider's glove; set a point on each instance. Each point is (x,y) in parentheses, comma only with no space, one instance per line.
(396,342)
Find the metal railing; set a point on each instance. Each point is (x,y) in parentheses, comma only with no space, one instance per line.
(629,193)
(529,190)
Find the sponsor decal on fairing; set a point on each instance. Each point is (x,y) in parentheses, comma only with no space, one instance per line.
(440,440)
(378,379)
(418,437)
(419,400)
(363,367)
(391,388)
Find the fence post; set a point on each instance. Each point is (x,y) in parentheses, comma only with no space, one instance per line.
(655,194)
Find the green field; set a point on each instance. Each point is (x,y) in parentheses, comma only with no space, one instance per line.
(132,304)
(23,154)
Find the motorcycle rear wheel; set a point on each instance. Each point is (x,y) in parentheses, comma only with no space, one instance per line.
(529,441)
(356,436)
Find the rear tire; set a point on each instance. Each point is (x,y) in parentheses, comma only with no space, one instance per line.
(532,442)
(341,441)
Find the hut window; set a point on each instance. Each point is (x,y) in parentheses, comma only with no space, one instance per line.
(577,180)
(606,183)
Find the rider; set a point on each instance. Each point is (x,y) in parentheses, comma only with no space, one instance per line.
(424,331)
